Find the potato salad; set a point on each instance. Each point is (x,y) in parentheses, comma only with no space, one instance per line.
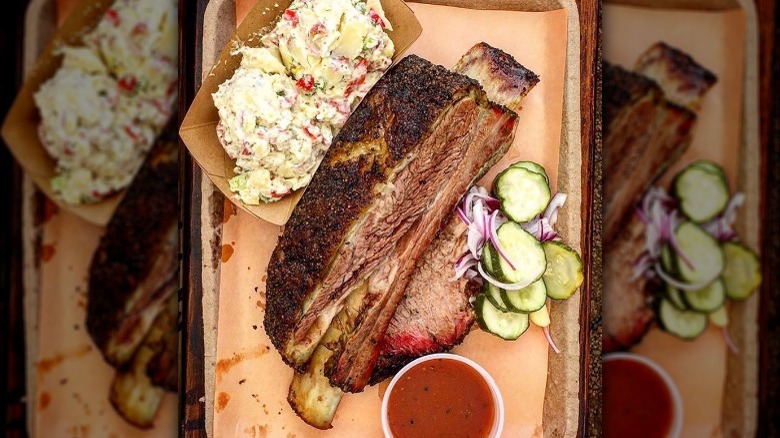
(104,107)
(282,107)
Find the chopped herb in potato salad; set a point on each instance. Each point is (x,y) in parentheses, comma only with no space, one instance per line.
(282,107)
(104,107)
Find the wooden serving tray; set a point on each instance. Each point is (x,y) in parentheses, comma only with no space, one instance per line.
(573,383)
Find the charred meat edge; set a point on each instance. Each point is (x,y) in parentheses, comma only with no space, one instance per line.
(683,80)
(331,229)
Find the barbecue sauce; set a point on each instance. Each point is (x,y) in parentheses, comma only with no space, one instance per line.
(441,398)
(637,402)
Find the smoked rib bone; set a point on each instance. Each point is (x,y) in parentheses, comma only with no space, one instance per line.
(683,80)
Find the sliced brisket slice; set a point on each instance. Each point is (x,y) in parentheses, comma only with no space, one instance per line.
(627,310)
(311,394)
(136,259)
(368,192)
(435,314)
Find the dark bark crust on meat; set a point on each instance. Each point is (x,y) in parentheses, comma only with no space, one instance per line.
(683,80)
(130,245)
(504,80)
(390,122)
(624,88)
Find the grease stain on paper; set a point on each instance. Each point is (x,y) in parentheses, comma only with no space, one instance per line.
(230,210)
(47,252)
(46,365)
(44,401)
(225,365)
(256,431)
(50,209)
(227,252)
(223,398)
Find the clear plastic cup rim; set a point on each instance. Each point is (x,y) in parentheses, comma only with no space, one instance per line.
(677,405)
(498,419)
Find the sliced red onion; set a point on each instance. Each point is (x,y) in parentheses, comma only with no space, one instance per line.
(721,227)
(548,232)
(478,193)
(641,215)
(464,259)
(550,340)
(729,342)
(485,223)
(493,203)
(471,274)
(463,216)
(540,228)
(474,240)
(464,264)
(502,285)
(730,214)
(478,217)
(494,239)
(657,195)
(676,283)
(642,264)
(551,212)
